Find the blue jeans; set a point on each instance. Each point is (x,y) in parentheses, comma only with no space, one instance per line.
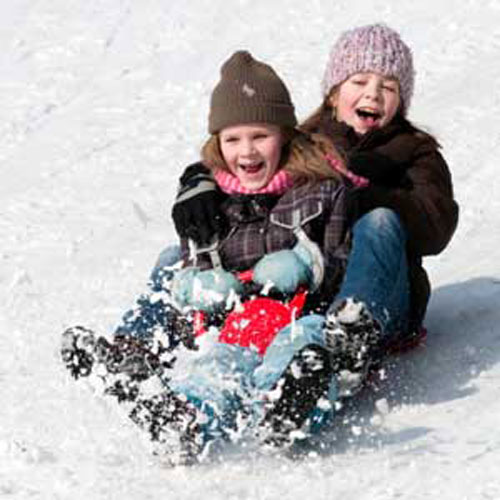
(167,258)
(152,310)
(377,270)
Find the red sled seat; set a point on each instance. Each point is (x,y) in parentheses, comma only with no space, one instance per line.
(256,322)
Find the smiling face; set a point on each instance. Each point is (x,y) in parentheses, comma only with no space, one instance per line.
(252,152)
(366,101)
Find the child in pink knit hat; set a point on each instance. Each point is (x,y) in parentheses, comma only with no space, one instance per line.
(405,212)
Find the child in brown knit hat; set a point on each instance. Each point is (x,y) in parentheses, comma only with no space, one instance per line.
(285,211)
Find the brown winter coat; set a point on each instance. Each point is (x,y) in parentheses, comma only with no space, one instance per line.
(424,201)
(261,224)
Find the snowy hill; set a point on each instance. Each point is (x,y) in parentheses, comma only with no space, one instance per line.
(103,104)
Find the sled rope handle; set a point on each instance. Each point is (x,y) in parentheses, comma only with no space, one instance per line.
(318,264)
(212,249)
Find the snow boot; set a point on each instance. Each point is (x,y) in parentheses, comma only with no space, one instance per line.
(115,367)
(82,351)
(304,382)
(127,370)
(172,426)
(77,351)
(353,338)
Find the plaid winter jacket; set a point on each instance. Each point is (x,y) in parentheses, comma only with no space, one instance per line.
(261,224)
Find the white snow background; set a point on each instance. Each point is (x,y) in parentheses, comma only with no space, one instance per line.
(103,103)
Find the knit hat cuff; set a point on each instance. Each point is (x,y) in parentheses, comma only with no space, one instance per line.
(281,114)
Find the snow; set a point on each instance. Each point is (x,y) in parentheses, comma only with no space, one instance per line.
(103,104)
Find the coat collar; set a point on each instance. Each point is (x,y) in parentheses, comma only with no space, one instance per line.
(247,208)
(347,139)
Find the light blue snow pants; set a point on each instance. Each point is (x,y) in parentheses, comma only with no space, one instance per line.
(229,381)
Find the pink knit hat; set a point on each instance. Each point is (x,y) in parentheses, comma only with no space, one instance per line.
(373,48)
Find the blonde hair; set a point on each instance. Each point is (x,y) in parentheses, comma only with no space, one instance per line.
(303,156)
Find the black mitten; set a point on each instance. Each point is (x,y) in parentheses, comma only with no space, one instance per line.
(196,212)
(378,168)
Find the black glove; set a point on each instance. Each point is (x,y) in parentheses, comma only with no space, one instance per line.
(378,168)
(196,212)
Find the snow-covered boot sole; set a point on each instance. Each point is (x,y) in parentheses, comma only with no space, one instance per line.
(353,338)
(305,381)
(114,368)
(126,371)
(170,423)
(77,351)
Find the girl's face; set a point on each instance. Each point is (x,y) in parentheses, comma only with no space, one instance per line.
(366,101)
(252,152)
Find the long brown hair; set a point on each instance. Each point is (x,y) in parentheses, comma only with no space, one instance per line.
(303,156)
(316,118)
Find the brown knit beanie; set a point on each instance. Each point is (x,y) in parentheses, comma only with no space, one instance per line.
(249,91)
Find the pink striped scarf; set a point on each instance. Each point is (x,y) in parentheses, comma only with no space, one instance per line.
(230,184)
(337,165)
(282,181)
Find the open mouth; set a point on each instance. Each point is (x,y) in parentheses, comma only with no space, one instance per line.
(252,168)
(369,116)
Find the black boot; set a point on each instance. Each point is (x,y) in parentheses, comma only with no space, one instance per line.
(354,339)
(171,424)
(82,351)
(127,370)
(116,367)
(305,381)
(77,351)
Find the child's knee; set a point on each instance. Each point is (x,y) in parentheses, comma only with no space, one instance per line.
(380,221)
